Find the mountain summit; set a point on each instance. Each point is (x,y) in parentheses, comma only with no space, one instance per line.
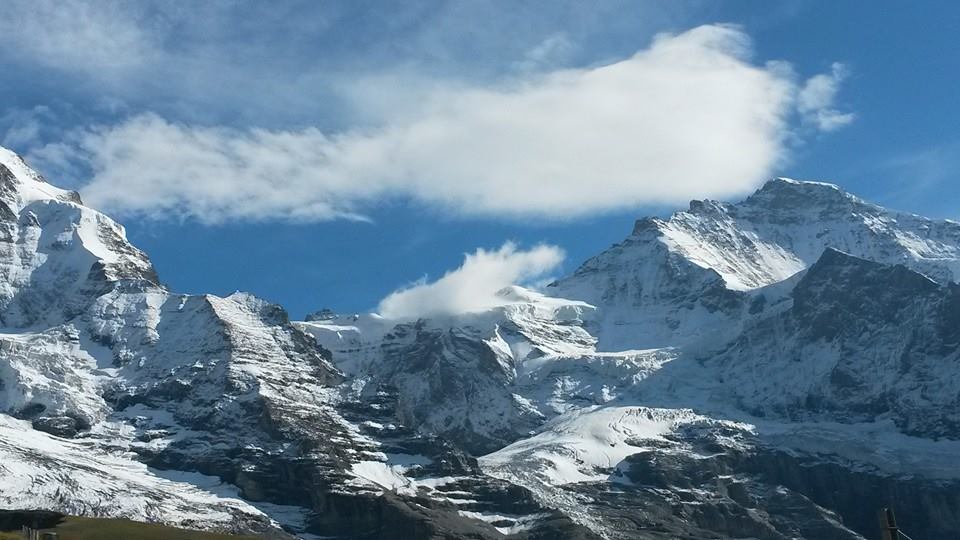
(775,368)
(696,269)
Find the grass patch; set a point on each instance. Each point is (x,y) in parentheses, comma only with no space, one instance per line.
(80,528)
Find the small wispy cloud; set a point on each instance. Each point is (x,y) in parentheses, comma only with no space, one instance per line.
(474,285)
(552,51)
(816,100)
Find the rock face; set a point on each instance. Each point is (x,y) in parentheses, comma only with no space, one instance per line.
(776,368)
(861,342)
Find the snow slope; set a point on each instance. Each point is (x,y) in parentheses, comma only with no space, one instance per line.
(78,477)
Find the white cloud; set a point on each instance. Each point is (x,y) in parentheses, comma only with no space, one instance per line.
(815,101)
(150,167)
(474,285)
(689,117)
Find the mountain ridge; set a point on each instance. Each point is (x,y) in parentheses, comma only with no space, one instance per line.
(734,370)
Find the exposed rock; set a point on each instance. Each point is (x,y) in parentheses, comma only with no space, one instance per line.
(61,426)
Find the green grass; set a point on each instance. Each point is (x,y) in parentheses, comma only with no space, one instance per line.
(79,528)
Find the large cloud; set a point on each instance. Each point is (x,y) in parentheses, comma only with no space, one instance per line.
(691,116)
(474,285)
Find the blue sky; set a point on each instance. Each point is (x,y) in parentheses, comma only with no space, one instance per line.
(323,154)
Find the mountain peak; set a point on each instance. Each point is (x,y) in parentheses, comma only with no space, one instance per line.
(789,192)
(18,181)
(783,181)
(60,254)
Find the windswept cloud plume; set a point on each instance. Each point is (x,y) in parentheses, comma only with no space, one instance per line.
(691,116)
(474,285)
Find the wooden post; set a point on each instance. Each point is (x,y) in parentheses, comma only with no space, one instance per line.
(888,525)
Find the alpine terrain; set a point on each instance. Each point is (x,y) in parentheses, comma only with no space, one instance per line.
(777,368)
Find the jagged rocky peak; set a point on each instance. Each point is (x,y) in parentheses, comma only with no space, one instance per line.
(778,197)
(784,227)
(21,185)
(55,253)
(783,192)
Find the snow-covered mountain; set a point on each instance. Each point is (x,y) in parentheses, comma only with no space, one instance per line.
(675,280)
(123,398)
(776,368)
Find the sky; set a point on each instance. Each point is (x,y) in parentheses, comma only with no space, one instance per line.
(414,157)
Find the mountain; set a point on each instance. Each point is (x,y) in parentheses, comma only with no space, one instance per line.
(777,368)
(128,400)
(672,281)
